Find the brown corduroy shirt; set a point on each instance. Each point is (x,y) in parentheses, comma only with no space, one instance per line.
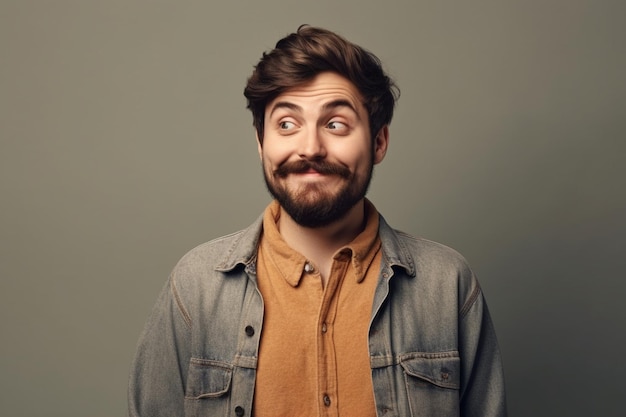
(314,357)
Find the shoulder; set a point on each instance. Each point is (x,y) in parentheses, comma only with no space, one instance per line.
(209,263)
(427,252)
(226,252)
(412,252)
(430,267)
(209,253)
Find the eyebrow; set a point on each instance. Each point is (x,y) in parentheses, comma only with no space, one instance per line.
(285,105)
(340,103)
(326,107)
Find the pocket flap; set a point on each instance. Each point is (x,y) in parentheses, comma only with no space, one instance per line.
(208,379)
(442,369)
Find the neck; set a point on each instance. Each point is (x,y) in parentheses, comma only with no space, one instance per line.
(320,244)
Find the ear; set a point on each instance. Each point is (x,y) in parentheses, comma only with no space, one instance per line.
(381,142)
(258,144)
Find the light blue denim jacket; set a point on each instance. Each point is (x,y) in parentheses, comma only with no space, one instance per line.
(431,341)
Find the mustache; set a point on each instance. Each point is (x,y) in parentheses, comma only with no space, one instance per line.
(323,167)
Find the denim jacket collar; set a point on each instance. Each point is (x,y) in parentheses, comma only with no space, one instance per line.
(244,249)
(395,252)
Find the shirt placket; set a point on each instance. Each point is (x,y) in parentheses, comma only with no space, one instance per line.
(327,365)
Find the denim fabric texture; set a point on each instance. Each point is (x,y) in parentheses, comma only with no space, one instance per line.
(433,349)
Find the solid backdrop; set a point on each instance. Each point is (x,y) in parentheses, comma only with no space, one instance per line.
(125,142)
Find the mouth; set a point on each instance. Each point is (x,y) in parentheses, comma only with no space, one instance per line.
(310,172)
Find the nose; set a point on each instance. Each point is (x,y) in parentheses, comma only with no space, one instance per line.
(311,145)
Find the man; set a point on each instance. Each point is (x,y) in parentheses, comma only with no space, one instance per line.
(319,308)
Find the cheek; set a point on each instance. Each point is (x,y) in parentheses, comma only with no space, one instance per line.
(267,165)
(273,156)
(270,162)
(356,157)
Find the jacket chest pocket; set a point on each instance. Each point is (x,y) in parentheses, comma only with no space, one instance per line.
(433,383)
(208,386)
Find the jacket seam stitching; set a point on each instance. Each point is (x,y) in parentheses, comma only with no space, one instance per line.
(179,304)
(470,302)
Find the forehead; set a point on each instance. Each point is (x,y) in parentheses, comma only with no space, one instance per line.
(321,89)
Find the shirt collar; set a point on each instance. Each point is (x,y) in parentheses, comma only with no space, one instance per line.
(290,263)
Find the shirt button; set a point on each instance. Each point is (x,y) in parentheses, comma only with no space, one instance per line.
(308,268)
(239,412)
(324,328)
(326,400)
(249,331)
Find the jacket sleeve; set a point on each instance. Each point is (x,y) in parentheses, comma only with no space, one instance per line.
(159,369)
(482,388)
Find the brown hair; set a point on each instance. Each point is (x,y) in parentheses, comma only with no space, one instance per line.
(300,56)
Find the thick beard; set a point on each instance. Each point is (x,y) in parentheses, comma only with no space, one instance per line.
(312,207)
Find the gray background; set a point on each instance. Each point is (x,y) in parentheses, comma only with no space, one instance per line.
(125,142)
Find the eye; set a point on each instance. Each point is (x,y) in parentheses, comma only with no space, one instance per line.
(337,126)
(286,125)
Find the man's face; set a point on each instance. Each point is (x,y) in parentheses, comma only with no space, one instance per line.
(317,149)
